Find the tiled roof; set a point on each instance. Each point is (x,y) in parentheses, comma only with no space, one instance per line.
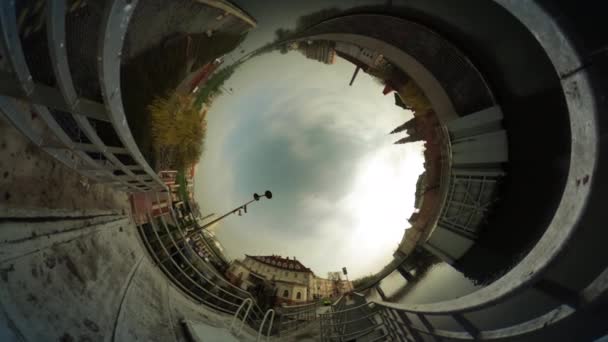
(280,262)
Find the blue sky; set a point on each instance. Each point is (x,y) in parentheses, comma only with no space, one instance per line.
(342,190)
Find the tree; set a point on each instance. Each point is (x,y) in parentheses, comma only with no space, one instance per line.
(178,128)
(213,86)
(414,97)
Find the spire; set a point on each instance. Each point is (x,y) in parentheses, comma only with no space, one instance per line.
(406,140)
(406,125)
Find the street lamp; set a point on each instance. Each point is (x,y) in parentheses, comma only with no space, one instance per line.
(239,210)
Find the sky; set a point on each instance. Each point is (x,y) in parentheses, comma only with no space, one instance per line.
(342,190)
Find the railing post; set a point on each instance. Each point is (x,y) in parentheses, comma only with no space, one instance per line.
(388,322)
(408,325)
(400,326)
(271,313)
(467,325)
(381,292)
(236,314)
(428,326)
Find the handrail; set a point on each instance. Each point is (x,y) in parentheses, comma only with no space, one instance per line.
(183,272)
(398,323)
(236,314)
(247,294)
(353,320)
(269,312)
(256,309)
(190,247)
(302,315)
(255,313)
(360,332)
(232,303)
(299,305)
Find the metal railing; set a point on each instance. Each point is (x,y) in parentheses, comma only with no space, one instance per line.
(165,238)
(405,322)
(352,323)
(295,317)
(246,303)
(71,107)
(270,313)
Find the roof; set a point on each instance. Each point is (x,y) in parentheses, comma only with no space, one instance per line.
(280,262)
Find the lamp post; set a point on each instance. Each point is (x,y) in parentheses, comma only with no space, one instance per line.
(238,210)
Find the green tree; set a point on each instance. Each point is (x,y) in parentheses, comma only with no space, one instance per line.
(213,86)
(178,129)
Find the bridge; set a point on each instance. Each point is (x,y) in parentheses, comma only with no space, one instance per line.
(526,79)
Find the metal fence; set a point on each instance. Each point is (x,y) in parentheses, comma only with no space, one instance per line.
(60,86)
(165,237)
(399,322)
(296,317)
(358,322)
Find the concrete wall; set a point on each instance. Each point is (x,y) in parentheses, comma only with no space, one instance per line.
(97,268)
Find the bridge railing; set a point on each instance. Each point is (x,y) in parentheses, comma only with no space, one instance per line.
(295,317)
(165,237)
(406,322)
(60,86)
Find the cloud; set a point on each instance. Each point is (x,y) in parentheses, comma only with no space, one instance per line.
(342,191)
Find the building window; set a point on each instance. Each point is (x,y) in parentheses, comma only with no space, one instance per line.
(285,293)
(299,295)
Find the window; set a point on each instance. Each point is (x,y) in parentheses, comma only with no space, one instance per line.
(299,295)
(285,293)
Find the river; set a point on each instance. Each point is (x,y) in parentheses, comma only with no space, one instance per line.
(441,282)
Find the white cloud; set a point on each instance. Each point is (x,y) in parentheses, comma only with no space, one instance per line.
(296,98)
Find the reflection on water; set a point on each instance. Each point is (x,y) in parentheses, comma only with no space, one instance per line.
(441,282)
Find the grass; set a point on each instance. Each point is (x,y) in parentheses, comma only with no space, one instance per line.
(158,71)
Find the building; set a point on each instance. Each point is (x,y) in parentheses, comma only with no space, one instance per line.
(360,56)
(318,50)
(294,282)
(370,61)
